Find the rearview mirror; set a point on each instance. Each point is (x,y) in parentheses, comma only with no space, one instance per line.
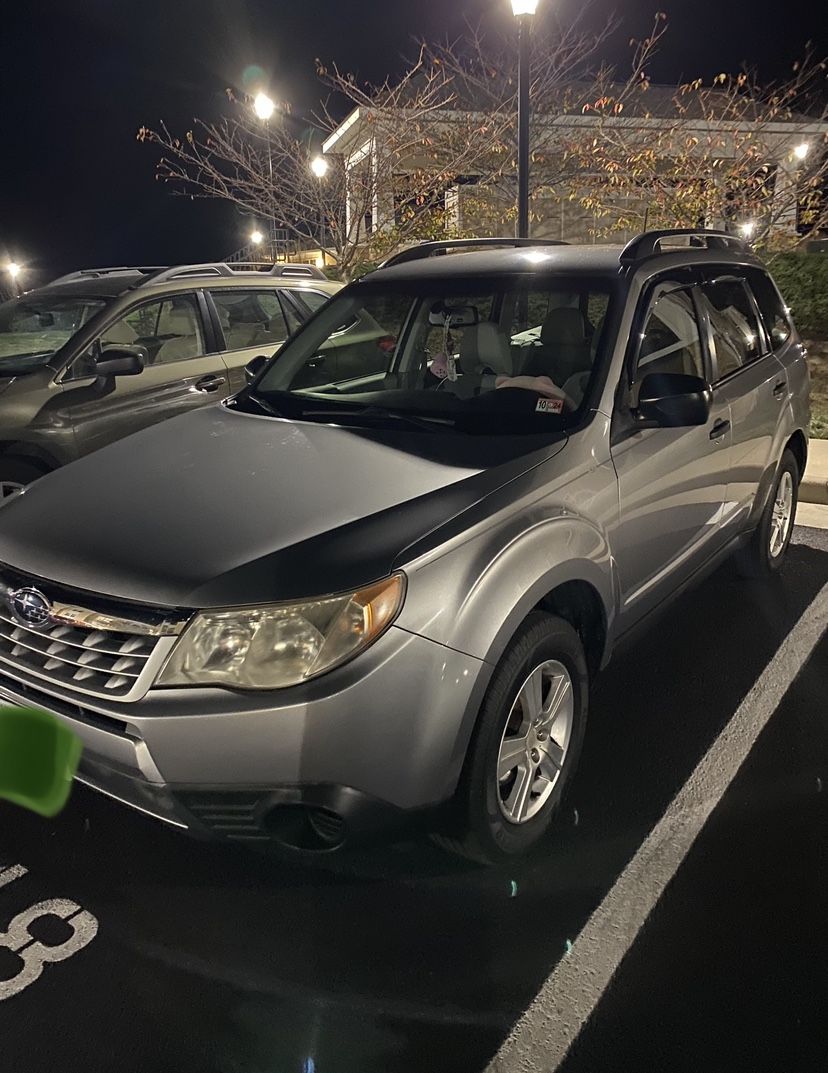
(255,366)
(120,361)
(461,316)
(673,400)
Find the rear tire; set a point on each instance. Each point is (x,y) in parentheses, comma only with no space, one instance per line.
(765,554)
(533,717)
(15,474)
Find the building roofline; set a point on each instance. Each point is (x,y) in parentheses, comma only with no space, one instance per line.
(337,135)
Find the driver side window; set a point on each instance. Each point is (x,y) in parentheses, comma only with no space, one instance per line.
(670,339)
(169,330)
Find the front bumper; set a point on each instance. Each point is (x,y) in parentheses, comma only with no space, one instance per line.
(381,737)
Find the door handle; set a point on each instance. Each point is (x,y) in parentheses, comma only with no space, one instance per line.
(780,390)
(721,428)
(209,383)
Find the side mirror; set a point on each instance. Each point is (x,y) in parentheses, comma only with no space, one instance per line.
(673,400)
(255,366)
(120,361)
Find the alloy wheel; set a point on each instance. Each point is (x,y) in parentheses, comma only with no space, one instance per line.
(535,741)
(782,516)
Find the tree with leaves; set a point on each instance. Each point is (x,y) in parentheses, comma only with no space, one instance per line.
(433,153)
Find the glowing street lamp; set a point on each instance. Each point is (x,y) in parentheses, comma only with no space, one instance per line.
(14,270)
(319,166)
(801,150)
(256,237)
(263,106)
(523,11)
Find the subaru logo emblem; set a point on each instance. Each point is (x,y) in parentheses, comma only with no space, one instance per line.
(30,608)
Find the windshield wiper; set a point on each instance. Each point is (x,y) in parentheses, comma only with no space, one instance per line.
(380,413)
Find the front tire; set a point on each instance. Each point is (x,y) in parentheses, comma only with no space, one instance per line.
(765,554)
(526,743)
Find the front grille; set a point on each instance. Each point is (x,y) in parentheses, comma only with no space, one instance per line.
(85,644)
(104,662)
(22,693)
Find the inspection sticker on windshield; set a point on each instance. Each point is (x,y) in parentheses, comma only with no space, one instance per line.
(549,406)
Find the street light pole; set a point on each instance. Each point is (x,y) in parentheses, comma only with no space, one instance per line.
(264,108)
(319,167)
(523,127)
(523,10)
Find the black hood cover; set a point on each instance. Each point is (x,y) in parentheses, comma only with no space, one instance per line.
(221,508)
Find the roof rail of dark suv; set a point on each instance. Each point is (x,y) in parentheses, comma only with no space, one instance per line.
(429,249)
(649,243)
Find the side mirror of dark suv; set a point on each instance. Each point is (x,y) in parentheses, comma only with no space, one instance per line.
(255,366)
(120,361)
(673,400)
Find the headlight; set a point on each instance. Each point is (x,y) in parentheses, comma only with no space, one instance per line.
(282,645)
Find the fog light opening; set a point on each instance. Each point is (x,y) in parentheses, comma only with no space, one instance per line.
(306,827)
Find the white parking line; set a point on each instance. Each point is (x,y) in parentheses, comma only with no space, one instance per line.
(8,875)
(540,1040)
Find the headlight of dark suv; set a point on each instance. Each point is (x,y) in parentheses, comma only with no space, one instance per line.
(283,644)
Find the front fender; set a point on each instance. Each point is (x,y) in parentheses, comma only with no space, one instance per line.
(474,597)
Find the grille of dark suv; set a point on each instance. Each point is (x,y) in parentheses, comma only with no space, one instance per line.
(108,663)
(88,645)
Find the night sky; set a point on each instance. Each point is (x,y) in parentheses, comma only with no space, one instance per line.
(77,80)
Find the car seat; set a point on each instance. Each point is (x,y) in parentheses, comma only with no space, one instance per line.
(484,355)
(186,344)
(119,334)
(564,349)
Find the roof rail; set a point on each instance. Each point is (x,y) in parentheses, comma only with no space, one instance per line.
(186,271)
(220,268)
(649,243)
(99,273)
(298,270)
(428,249)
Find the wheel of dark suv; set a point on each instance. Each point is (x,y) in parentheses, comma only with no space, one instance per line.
(526,743)
(765,553)
(15,474)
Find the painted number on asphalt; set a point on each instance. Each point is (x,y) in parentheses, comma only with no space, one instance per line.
(33,954)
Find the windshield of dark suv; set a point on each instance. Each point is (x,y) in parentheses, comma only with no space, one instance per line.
(510,355)
(32,329)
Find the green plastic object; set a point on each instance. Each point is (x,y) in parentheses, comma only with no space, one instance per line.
(39,756)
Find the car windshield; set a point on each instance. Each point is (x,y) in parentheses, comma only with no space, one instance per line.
(512,355)
(32,329)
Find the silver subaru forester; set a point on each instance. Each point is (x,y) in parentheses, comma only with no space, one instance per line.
(377,583)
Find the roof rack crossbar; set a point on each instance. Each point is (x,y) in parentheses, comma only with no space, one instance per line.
(648,243)
(429,249)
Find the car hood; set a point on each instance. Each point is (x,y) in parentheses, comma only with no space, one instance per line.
(222,508)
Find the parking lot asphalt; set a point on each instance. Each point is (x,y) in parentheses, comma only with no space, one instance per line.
(195,956)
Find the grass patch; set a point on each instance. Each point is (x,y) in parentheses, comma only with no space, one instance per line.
(818,364)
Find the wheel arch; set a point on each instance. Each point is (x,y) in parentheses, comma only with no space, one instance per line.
(798,446)
(33,453)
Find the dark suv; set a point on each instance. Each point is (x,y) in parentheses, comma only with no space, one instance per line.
(352,595)
(101,353)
